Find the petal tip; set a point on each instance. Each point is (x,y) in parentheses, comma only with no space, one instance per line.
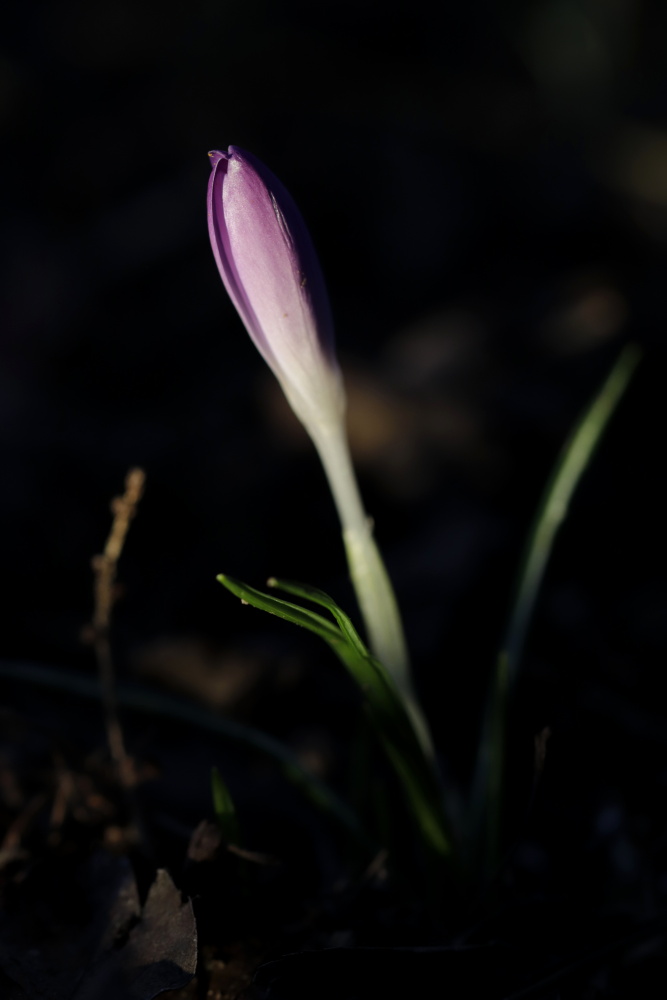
(215,156)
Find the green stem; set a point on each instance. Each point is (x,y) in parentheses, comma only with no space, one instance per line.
(369,576)
(370,579)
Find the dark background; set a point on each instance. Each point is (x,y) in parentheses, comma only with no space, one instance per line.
(487,186)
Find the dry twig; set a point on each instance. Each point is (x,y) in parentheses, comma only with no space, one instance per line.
(105,567)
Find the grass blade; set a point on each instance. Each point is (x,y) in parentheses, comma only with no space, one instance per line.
(570,466)
(387,712)
(318,596)
(417,720)
(166,707)
(282,609)
(553,509)
(224,809)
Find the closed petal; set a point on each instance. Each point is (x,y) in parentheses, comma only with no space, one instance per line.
(271,272)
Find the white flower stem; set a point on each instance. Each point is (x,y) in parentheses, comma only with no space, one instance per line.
(371,582)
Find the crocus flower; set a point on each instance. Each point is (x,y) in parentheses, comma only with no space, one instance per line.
(271,272)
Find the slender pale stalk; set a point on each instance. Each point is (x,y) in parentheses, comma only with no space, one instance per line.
(370,579)
(369,576)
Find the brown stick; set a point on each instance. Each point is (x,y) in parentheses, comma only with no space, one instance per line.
(105,567)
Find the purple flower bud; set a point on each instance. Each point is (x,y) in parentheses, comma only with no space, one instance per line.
(271,272)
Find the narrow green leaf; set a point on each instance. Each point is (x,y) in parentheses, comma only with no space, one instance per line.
(415,716)
(283,609)
(371,675)
(318,596)
(391,720)
(224,809)
(167,707)
(570,466)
